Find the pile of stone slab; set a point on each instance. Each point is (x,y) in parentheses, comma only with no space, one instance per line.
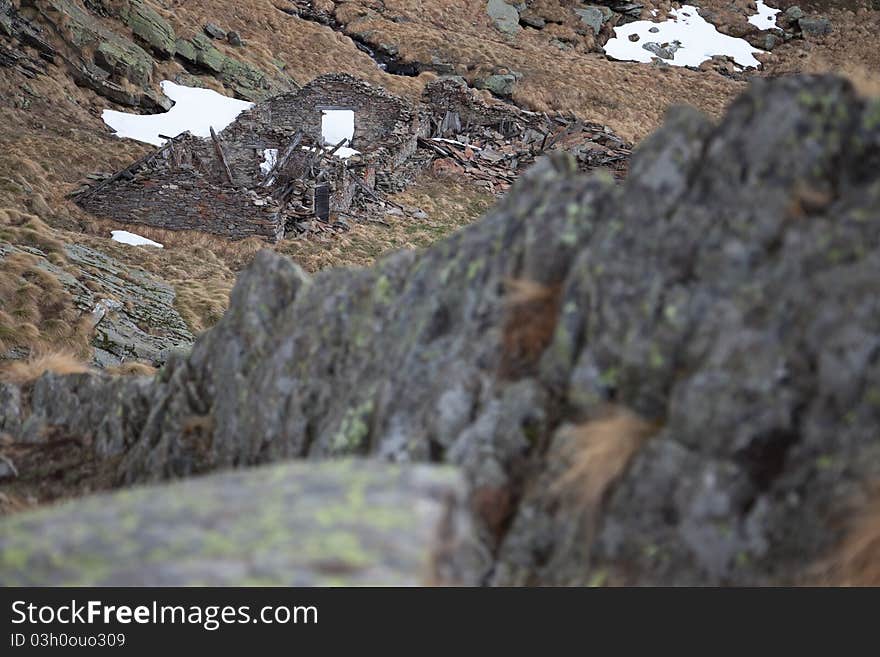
(494,161)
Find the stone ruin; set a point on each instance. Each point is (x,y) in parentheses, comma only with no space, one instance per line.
(272,171)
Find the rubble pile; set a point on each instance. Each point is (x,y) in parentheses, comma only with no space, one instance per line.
(495,161)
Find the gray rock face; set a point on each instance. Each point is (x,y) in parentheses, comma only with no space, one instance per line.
(67,402)
(793,13)
(532,20)
(110,47)
(726,292)
(215,32)
(146,24)
(10,409)
(504,16)
(133,314)
(342,523)
(594,17)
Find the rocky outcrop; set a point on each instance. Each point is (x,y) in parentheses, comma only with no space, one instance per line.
(725,295)
(343,523)
(247,82)
(10,409)
(111,47)
(130,312)
(146,24)
(97,57)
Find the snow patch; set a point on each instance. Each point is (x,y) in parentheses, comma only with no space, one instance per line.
(766,16)
(344,152)
(698,39)
(133,239)
(196,110)
(270,157)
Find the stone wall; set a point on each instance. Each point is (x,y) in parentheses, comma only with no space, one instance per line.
(185,186)
(377,113)
(453,95)
(182,200)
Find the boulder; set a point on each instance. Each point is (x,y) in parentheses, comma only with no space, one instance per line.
(246,81)
(764,40)
(531,19)
(200,51)
(594,17)
(500,85)
(793,13)
(149,26)
(133,64)
(815,26)
(505,17)
(345,523)
(214,31)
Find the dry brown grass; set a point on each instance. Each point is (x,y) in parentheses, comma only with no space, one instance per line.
(10,504)
(28,371)
(277,42)
(856,561)
(849,50)
(599,452)
(631,98)
(531,315)
(132,368)
(36,311)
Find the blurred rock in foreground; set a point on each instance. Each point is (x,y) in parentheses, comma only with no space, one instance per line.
(342,523)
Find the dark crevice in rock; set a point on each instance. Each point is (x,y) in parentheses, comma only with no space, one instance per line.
(764,457)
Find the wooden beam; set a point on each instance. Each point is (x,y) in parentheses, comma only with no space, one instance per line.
(282,161)
(218,148)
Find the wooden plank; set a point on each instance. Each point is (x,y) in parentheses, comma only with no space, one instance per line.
(336,148)
(218,149)
(281,162)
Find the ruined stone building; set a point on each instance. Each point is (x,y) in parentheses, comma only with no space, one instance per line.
(335,143)
(269,168)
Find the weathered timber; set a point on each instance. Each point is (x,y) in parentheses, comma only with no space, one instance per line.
(218,148)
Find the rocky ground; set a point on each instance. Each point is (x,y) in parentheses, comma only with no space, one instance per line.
(684,300)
